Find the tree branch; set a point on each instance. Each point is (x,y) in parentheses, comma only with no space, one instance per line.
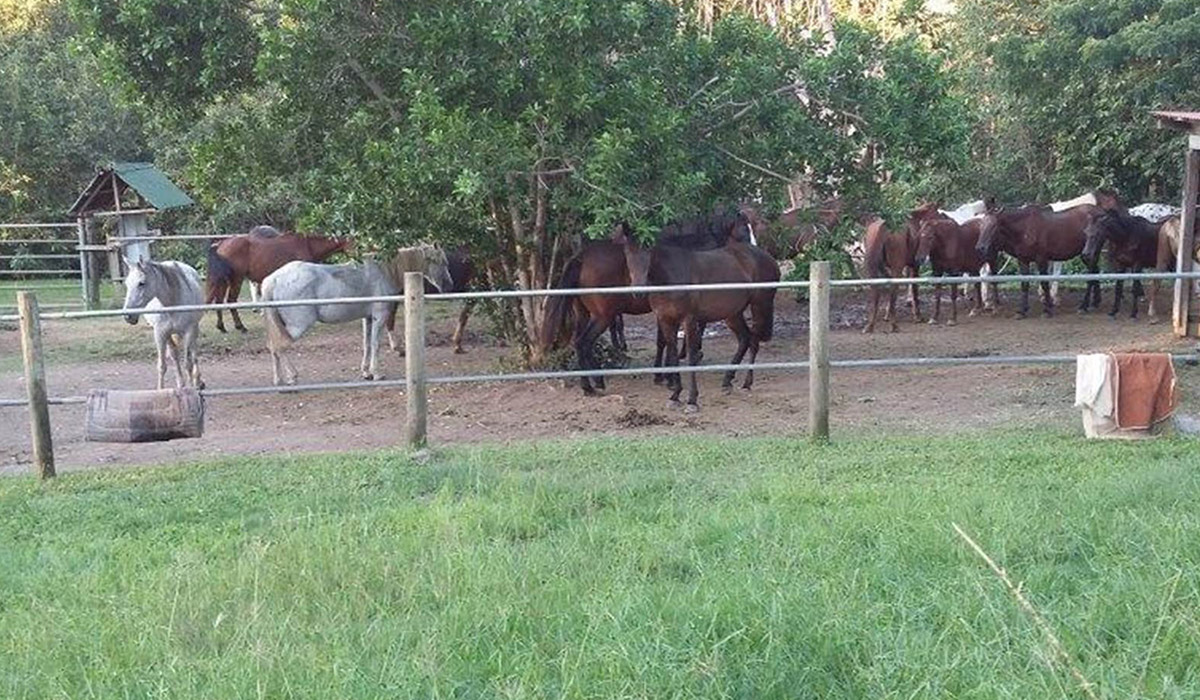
(374,86)
(754,166)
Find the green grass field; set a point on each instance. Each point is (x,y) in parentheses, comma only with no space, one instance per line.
(693,567)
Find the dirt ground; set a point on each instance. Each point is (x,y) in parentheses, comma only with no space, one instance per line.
(865,401)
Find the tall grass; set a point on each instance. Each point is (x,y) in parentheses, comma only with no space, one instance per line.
(610,568)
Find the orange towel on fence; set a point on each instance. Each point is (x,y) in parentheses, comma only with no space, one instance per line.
(1145,389)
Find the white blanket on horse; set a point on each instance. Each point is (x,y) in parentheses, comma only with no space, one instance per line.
(1155,212)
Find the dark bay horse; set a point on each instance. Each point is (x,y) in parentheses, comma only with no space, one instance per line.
(602,264)
(1132,246)
(255,255)
(1036,235)
(462,273)
(737,261)
(886,254)
(950,249)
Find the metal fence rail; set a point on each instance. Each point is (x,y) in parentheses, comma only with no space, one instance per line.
(415,382)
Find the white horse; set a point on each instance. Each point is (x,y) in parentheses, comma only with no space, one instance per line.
(303,280)
(153,285)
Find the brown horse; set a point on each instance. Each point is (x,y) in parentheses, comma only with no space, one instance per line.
(254,256)
(950,250)
(1132,246)
(737,261)
(602,264)
(1169,233)
(1037,235)
(886,254)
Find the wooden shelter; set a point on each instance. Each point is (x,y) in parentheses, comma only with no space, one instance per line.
(131,192)
(1186,318)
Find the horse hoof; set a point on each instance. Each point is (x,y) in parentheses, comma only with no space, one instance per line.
(895,328)
(951,323)
(673,403)
(459,351)
(868,329)
(691,408)
(727,389)
(222,329)
(932,322)
(200,386)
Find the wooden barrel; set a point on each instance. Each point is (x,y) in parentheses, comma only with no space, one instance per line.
(144,416)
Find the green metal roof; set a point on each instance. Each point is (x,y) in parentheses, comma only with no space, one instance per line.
(147,181)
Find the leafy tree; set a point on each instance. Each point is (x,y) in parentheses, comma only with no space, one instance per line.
(1064,89)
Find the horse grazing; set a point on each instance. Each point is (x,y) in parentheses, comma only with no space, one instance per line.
(886,254)
(304,280)
(1169,234)
(255,255)
(1132,245)
(1037,235)
(154,285)
(462,271)
(735,262)
(950,250)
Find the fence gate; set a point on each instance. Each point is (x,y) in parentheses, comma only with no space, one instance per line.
(42,256)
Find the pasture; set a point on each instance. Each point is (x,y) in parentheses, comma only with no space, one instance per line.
(609,567)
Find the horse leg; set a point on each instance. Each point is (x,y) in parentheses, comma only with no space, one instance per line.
(190,342)
(255,294)
(891,307)
(1138,291)
(460,328)
(669,331)
(1051,289)
(953,306)
(375,321)
(585,338)
(1118,292)
(366,343)
(737,324)
(691,336)
(872,308)
(937,305)
(390,324)
(753,358)
(235,290)
(161,339)
(616,333)
(1023,268)
(1048,296)
(216,295)
(913,299)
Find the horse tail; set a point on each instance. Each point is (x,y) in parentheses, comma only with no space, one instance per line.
(278,337)
(762,306)
(558,306)
(220,272)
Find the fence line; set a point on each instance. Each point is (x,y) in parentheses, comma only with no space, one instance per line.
(52,225)
(38,241)
(415,381)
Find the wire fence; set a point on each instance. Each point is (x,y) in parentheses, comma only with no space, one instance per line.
(817,286)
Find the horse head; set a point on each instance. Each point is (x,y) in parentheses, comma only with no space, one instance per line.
(637,257)
(437,269)
(926,241)
(140,286)
(1101,228)
(990,231)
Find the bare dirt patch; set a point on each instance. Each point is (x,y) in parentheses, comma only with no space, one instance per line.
(865,401)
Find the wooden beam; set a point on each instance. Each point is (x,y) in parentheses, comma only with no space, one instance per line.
(1183,259)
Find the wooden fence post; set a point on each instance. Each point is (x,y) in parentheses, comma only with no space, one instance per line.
(35,385)
(1183,260)
(414,361)
(818,351)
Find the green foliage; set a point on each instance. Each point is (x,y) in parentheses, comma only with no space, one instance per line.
(1068,85)
(705,567)
(177,54)
(58,120)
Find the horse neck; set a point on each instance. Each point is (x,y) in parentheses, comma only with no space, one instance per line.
(165,290)
(320,248)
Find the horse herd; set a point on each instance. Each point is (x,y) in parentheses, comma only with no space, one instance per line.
(718,248)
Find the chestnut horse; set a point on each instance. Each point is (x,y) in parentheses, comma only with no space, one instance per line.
(1038,236)
(1169,233)
(950,249)
(737,261)
(887,254)
(254,256)
(1132,246)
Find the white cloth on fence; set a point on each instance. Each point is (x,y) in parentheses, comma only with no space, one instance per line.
(1095,396)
